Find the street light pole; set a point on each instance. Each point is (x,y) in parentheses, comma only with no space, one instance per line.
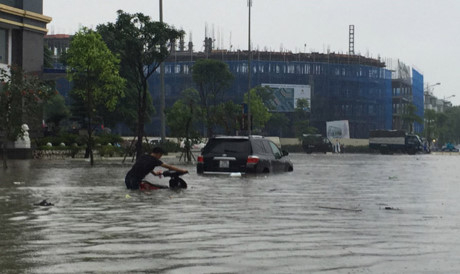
(162,89)
(249,68)
(430,86)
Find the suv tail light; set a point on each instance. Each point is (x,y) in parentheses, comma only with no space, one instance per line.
(200,159)
(252,159)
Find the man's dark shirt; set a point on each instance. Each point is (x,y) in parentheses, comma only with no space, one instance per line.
(144,165)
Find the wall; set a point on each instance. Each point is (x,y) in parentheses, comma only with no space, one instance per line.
(346,142)
(32,51)
(33,5)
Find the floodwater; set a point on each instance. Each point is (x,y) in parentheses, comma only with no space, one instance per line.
(345,213)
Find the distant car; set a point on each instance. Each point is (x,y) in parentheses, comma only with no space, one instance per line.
(449,147)
(155,140)
(196,147)
(316,143)
(243,154)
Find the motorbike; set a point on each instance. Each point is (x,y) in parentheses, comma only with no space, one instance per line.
(175,182)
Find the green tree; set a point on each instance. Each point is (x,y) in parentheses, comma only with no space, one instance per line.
(228,116)
(94,72)
(21,95)
(410,117)
(449,123)
(301,121)
(278,124)
(302,105)
(55,110)
(47,57)
(303,127)
(212,78)
(441,123)
(259,111)
(182,118)
(142,45)
(266,94)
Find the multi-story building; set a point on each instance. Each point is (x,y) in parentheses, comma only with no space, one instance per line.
(343,87)
(407,89)
(434,103)
(57,44)
(22,28)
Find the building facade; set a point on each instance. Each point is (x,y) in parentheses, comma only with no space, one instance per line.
(22,28)
(407,89)
(434,103)
(57,44)
(343,87)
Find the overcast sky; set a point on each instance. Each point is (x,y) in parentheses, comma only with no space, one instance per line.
(424,34)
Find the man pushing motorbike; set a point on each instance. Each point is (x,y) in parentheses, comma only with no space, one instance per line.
(145,165)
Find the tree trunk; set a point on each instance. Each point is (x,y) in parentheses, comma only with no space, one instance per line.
(4,156)
(90,141)
(209,122)
(141,119)
(89,145)
(140,125)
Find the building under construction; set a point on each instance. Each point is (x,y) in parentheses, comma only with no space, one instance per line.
(343,86)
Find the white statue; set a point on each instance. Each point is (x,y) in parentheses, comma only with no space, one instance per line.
(24,141)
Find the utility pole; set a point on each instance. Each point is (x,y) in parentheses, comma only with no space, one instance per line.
(162,89)
(249,68)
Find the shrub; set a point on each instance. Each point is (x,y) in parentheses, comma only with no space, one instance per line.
(109,151)
(169,146)
(72,150)
(106,138)
(66,138)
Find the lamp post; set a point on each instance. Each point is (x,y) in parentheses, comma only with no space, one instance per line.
(428,121)
(445,98)
(249,68)
(430,99)
(428,87)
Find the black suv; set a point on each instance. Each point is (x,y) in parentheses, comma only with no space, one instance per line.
(316,143)
(244,154)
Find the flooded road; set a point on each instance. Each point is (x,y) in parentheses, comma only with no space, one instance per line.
(333,214)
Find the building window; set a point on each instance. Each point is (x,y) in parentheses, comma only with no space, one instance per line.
(3,46)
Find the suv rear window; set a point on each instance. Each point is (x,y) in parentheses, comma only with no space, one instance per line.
(227,146)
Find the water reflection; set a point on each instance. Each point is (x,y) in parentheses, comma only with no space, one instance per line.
(327,216)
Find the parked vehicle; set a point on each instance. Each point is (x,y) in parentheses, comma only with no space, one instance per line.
(316,143)
(244,154)
(390,141)
(450,148)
